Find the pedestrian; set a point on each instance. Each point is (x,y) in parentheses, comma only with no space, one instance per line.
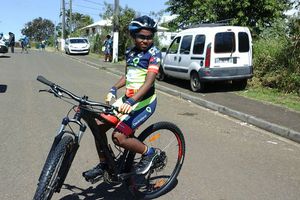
(43,45)
(107,46)
(56,45)
(24,44)
(142,66)
(11,41)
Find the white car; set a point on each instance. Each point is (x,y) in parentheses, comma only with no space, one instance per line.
(210,53)
(77,45)
(3,45)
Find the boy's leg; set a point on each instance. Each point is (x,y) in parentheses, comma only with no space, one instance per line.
(98,170)
(127,126)
(131,144)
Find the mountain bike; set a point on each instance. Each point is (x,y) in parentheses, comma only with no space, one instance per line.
(165,136)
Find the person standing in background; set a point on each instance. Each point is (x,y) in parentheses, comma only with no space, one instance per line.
(108,49)
(24,44)
(12,41)
(56,45)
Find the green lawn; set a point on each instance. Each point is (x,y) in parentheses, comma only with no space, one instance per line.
(291,101)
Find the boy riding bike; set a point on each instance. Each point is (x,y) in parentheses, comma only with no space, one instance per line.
(142,65)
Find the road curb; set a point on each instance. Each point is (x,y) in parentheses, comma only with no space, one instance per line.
(258,122)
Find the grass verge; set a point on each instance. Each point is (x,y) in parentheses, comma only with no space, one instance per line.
(291,101)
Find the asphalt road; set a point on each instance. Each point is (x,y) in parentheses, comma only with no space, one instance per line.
(225,159)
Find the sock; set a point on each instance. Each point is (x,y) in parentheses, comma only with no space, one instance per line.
(149,151)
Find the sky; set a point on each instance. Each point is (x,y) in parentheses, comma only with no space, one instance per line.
(14,14)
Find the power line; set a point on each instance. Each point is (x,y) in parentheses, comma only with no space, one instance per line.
(81,6)
(94,2)
(85,12)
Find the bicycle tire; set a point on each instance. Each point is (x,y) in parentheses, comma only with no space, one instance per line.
(169,139)
(49,178)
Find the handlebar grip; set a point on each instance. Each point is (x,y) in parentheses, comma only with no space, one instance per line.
(45,81)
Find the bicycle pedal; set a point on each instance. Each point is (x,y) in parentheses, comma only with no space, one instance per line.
(94,180)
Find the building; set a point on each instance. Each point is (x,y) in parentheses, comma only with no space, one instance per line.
(164,36)
(97,27)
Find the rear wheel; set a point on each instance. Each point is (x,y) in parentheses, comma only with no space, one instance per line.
(196,84)
(50,179)
(239,84)
(169,140)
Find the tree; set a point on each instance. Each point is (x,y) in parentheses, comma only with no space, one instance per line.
(38,29)
(78,21)
(125,17)
(254,14)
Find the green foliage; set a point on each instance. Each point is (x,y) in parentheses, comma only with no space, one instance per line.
(254,14)
(125,16)
(38,29)
(276,58)
(274,96)
(96,44)
(75,24)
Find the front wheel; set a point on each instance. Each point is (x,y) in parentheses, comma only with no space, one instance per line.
(169,140)
(51,175)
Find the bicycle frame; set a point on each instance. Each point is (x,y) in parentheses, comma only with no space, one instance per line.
(85,111)
(89,116)
(120,166)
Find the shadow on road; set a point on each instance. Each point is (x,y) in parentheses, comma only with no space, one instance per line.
(3,88)
(105,191)
(102,191)
(214,87)
(4,56)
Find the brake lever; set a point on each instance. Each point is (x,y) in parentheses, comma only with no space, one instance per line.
(115,108)
(53,91)
(43,90)
(110,110)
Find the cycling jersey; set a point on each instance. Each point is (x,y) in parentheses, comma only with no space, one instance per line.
(139,63)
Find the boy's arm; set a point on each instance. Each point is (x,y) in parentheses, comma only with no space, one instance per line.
(121,83)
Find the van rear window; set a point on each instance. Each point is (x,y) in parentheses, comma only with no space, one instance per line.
(199,44)
(243,42)
(225,42)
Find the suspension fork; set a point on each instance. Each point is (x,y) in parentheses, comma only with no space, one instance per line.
(57,139)
(67,162)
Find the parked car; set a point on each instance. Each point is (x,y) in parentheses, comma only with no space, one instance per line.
(3,46)
(207,54)
(77,45)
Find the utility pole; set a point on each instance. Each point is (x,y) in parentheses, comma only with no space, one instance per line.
(70,28)
(116,32)
(63,14)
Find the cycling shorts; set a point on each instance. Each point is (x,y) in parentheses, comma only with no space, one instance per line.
(141,112)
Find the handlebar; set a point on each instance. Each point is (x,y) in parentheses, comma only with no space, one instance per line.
(57,90)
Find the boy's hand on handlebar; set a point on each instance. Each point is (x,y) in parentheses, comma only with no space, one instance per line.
(112,94)
(126,107)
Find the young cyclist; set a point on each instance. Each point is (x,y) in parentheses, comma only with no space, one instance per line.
(142,64)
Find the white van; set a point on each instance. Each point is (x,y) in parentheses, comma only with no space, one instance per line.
(207,54)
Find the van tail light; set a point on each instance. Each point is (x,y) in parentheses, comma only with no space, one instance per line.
(207,56)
